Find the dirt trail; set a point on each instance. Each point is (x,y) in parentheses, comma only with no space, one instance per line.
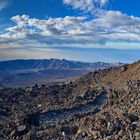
(55,116)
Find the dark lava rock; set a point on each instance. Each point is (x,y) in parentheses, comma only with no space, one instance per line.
(133,127)
(133,118)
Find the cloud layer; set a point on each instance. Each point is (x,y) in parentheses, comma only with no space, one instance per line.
(108,26)
(99,35)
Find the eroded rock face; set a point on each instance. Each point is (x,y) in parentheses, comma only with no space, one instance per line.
(116,118)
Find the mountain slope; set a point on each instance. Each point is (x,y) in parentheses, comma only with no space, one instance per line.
(118,78)
(91,107)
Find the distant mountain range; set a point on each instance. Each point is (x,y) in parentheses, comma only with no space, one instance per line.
(16,73)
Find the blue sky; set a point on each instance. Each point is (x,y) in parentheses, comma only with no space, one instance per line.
(83,30)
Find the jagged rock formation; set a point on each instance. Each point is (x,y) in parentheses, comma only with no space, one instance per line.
(76,110)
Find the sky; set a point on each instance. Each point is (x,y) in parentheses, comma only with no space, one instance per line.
(81,30)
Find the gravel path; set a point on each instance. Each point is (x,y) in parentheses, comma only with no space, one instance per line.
(55,116)
(62,115)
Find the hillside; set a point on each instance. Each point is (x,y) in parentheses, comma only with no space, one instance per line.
(103,105)
(118,78)
(22,73)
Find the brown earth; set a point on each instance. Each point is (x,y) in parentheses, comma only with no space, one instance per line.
(118,118)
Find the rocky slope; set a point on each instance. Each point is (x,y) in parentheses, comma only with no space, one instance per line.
(102,105)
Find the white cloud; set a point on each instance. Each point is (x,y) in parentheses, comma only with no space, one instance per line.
(109,26)
(103,2)
(91,6)
(52,26)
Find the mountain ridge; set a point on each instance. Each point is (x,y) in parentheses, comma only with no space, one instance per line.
(16,73)
(52,64)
